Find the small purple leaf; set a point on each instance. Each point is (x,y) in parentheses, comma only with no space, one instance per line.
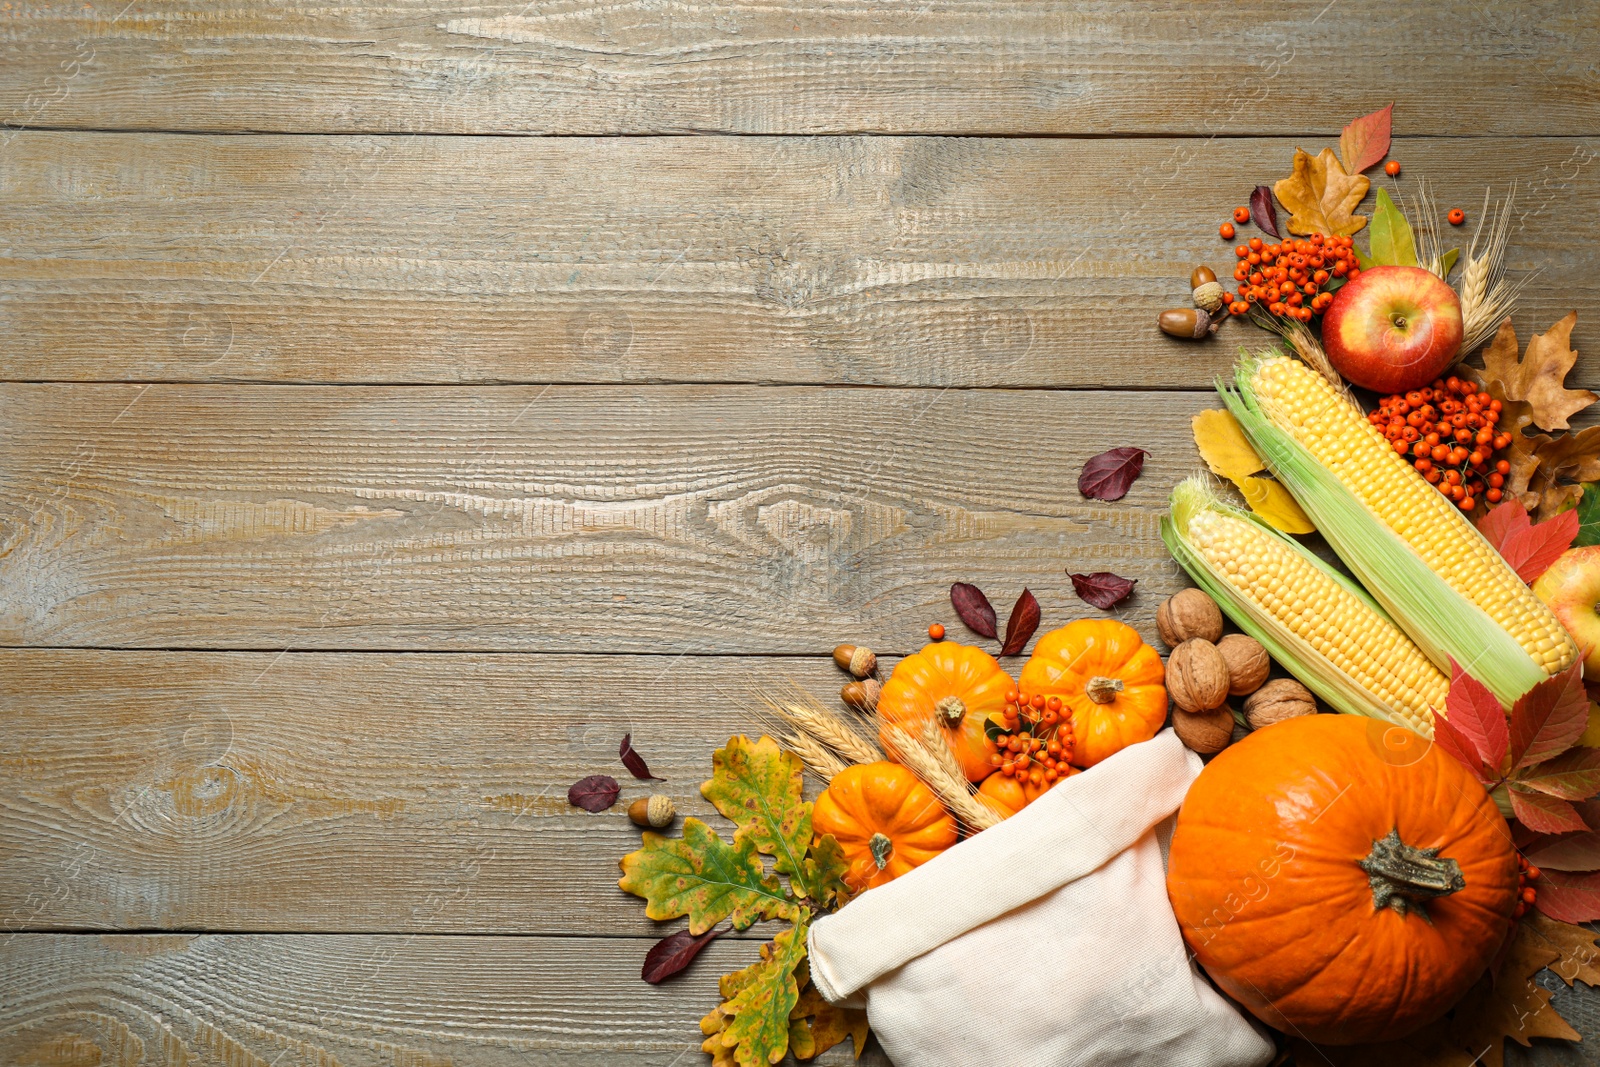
(673,953)
(635,762)
(1102,588)
(1019,628)
(594,793)
(974,609)
(1108,475)
(1264,211)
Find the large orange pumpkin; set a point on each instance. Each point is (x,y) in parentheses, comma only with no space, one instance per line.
(959,686)
(1343,879)
(1112,681)
(885,820)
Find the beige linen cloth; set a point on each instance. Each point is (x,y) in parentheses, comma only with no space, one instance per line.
(1043,941)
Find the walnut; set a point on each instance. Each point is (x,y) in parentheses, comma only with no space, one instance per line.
(1248,663)
(1205,732)
(1187,615)
(1279,699)
(1197,676)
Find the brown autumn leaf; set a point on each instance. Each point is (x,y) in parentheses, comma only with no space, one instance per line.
(1538,380)
(827,1025)
(1320,196)
(1548,472)
(1580,955)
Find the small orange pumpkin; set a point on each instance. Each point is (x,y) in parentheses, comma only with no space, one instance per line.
(958,685)
(1111,680)
(1342,878)
(1007,795)
(885,820)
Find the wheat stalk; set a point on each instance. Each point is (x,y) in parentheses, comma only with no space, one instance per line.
(832,731)
(934,766)
(1486,296)
(818,760)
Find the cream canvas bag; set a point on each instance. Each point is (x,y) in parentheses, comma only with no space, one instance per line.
(1043,941)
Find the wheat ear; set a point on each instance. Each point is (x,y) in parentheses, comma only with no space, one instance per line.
(1486,296)
(935,770)
(808,716)
(818,760)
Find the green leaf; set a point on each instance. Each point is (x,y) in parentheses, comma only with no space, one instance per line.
(1391,241)
(701,876)
(760,998)
(758,786)
(825,869)
(1588,516)
(1447,262)
(1364,261)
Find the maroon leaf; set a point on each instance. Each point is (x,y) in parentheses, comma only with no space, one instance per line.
(1569,898)
(635,762)
(1573,775)
(974,609)
(1547,815)
(1549,718)
(1264,211)
(1571,852)
(1108,475)
(594,793)
(1459,748)
(1477,716)
(1102,588)
(673,953)
(1019,628)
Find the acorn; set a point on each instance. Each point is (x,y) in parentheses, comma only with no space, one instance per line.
(1188,323)
(862,695)
(652,811)
(1208,294)
(857,660)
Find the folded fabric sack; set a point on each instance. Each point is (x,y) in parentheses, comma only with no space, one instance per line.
(1045,940)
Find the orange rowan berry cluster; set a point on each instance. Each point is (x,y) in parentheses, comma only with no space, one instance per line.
(1449,431)
(1526,894)
(1033,741)
(1287,278)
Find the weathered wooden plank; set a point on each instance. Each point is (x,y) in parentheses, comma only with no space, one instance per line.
(312,791)
(897,261)
(361,1001)
(818,66)
(671,520)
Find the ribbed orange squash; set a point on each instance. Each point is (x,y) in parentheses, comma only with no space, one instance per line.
(957,684)
(1112,681)
(885,820)
(1342,878)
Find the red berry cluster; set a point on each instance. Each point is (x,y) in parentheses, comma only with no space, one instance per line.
(1034,742)
(1526,894)
(1287,278)
(1450,431)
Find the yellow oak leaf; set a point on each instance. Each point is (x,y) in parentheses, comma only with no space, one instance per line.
(1223,445)
(1321,196)
(827,1025)
(1539,378)
(1272,502)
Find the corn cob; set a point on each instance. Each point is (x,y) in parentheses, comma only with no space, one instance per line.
(1440,580)
(1315,622)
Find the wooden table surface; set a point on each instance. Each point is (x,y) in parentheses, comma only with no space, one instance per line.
(402,402)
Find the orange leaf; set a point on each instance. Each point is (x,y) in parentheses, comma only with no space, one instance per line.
(1320,195)
(1580,956)
(1366,140)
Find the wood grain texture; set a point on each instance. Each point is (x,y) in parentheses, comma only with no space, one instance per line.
(357,1001)
(325,792)
(891,261)
(817,66)
(678,519)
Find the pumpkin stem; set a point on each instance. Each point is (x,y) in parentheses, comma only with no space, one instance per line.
(881,848)
(1406,878)
(951,711)
(1103,690)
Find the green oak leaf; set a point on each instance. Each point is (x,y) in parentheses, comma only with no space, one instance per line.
(761,997)
(759,787)
(1390,238)
(825,869)
(1588,516)
(703,877)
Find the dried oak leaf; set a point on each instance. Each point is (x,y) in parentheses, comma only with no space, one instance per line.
(1580,956)
(1547,472)
(826,1025)
(1539,378)
(1321,196)
(1366,140)
(753,1019)
(974,609)
(673,953)
(705,878)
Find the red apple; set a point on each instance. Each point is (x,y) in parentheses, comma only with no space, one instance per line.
(1393,329)
(1571,590)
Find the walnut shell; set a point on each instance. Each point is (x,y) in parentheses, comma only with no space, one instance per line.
(1205,732)
(1186,615)
(1279,699)
(1197,676)
(1248,663)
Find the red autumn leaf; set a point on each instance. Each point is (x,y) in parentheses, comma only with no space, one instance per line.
(1019,628)
(1549,718)
(1102,588)
(1108,475)
(974,609)
(1366,140)
(1531,549)
(1459,748)
(635,762)
(1477,716)
(1573,775)
(673,953)
(1545,814)
(1503,520)
(1571,852)
(1264,211)
(1568,897)
(594,793)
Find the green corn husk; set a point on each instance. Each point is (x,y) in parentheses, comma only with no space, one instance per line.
(1442,622)
(1324,677)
